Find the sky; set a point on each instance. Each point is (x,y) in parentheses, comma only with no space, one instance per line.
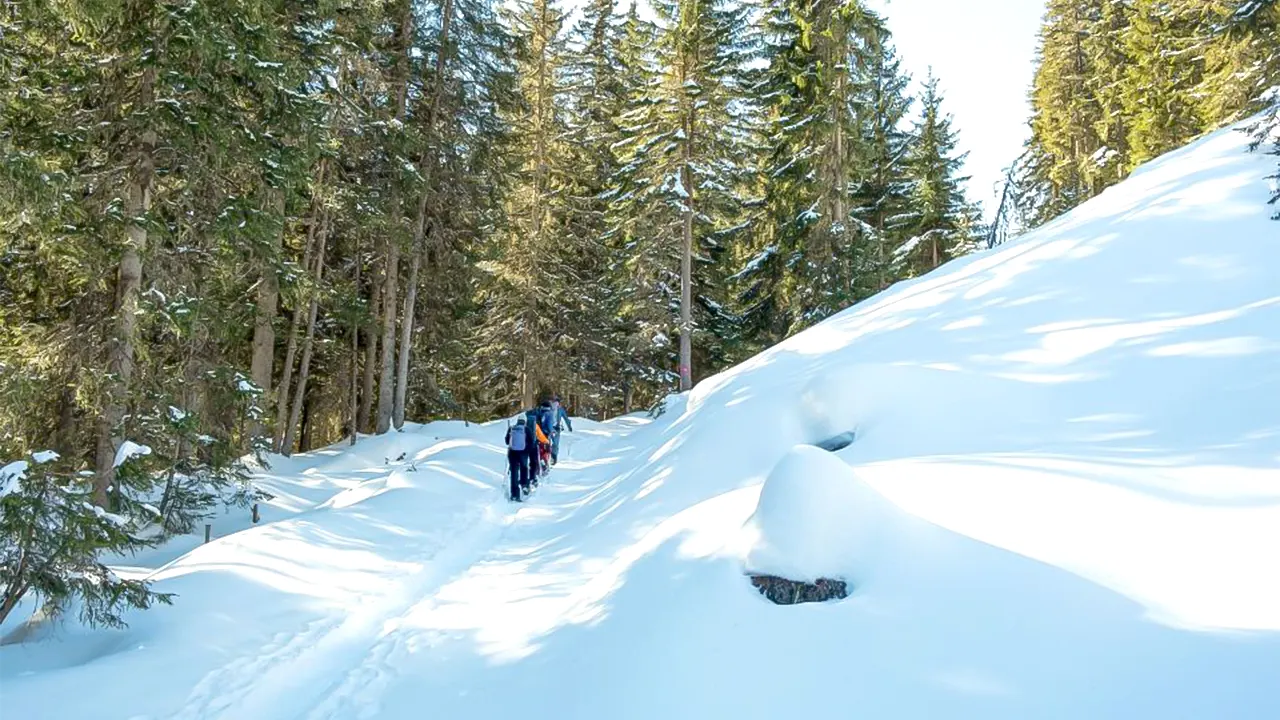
(983,53)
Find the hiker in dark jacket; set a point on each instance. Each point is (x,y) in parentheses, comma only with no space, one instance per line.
(531,446)
(517,441)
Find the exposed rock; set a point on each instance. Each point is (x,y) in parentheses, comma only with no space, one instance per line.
(781,591)
(837,442)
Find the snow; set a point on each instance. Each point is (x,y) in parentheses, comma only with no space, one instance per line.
(44,456)
(129,450)
(817,519)
(1061,500)
(11,477)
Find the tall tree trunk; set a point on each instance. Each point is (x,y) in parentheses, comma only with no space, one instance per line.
(406,339)
(306,440)
(264,332)
(426,168)
(371,352)
(386,382)
(286,446)
(65,439)
(686,262)
(386,386)
(295,324)
(354,385)
(526,382)
(128,287)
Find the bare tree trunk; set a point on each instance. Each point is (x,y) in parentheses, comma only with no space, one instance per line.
(686,265)
(526,382)
(286,446)
(65,440)
(390,280)
(406,338)
(264,333)
(295,324)
(371,353)
(386,382)
(306,441)
(128,287)
(354,384)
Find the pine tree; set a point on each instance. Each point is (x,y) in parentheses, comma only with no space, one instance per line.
(1065,118)
(1104,51)
(523,322)
(1166,66)
(597,95)
(814,81)
(640,275)
(883,200)
(50,540)
(683,164)
(946,224)
(1121,82)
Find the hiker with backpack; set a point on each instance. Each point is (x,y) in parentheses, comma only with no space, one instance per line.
(544,450)
(531,449)
(558,415)
(517,441)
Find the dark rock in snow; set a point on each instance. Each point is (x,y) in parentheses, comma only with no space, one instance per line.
(781,591)
(837,442)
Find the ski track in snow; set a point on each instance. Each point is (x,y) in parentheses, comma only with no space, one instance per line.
(336,668)
(296,667)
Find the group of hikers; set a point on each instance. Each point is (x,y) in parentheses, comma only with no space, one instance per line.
(533,445)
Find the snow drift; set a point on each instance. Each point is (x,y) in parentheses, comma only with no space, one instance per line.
(817,519)
(1062,492)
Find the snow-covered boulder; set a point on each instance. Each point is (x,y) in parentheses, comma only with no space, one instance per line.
(816,519)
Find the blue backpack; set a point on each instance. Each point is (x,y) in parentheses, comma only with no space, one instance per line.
(519,438)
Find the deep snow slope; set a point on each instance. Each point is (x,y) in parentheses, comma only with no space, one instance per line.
(1062,501)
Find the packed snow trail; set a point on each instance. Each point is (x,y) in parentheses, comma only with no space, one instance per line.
(1062,500)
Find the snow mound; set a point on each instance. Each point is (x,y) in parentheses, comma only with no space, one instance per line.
(817,519)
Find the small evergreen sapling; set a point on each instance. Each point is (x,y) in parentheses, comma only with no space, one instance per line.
(51,538)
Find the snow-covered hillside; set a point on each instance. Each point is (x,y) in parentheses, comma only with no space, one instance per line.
(1062,501)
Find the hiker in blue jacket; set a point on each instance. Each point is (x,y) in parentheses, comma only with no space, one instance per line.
(558,416)
(517,441)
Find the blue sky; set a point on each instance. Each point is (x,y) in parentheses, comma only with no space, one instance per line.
(983,53)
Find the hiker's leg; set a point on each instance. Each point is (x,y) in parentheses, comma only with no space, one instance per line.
(516,465)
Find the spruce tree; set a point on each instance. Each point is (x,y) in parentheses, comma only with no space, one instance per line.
(683,162)
(523,326)
(1166,66)
(946,225)
(1065,118)
(640,274)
